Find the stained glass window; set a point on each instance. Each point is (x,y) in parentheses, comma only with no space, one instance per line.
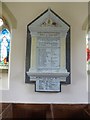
(4,48)
(88,50)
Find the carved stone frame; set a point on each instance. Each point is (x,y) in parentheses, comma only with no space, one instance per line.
(28,51)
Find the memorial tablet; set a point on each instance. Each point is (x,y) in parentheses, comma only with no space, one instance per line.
(48,85)
(48,52)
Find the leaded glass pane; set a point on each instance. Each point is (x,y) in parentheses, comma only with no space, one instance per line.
(4,48)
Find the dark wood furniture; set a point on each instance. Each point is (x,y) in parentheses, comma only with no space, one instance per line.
(87,112)
(6,111)
(45,111)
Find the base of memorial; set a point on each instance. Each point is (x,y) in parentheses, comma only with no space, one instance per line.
(35,74)
(47,80)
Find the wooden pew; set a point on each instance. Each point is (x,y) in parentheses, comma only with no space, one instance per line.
(45,111)
(31,111)
(6,112)
(87,112)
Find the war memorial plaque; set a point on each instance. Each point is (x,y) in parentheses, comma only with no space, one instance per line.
(48,52)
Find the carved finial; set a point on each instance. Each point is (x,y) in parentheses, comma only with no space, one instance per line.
(49,8)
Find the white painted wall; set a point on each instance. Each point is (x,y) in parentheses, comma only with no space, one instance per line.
(4,83)
(75,14)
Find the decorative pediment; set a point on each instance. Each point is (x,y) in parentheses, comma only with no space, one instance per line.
(46,20)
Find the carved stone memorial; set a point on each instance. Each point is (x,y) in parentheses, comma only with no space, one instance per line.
(48,52)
